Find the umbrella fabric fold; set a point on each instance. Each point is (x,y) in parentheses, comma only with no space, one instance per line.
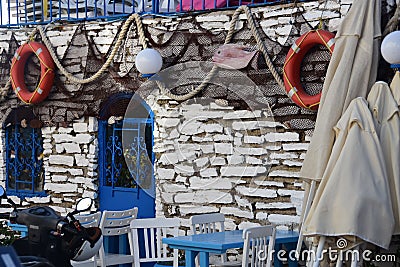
(351,72)
(385,111)
(395,87)
(354,196)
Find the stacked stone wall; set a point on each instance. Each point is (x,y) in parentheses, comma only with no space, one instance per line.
(209,158)
(237,162)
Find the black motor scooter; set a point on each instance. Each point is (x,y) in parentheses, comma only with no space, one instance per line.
(53,240)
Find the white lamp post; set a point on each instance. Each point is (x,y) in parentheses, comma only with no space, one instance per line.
(148,62)
(390,49)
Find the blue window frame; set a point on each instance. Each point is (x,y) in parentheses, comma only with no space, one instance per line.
(125,167)
(24,160)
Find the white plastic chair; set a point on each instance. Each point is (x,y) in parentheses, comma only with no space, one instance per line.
(210,223)
(88,220)
(120,7)
(167,5)
(116,223)
(78,8)
(154,230)
(26,11)
(115,7)
(256,241)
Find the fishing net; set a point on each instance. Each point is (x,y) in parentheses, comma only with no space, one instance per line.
(184,41)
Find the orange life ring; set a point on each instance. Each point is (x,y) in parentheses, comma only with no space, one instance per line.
(291,68)
(18,62)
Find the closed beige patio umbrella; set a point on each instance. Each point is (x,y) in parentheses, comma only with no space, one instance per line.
(351,73)
(385,111)
(353,198)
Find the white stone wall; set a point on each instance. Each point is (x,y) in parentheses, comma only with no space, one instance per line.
(71,161)
(219,164)
(211,158)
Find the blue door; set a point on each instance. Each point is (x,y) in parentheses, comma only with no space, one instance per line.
(126,160)
(126,155)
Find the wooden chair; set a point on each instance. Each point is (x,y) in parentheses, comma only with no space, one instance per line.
(88,220)
(154,230)
(117,223)
(210,223)
(258,246)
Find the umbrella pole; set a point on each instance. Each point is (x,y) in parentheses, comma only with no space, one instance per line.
(320,248)
(311,255)
(355,257)
(339,261)
(310,198)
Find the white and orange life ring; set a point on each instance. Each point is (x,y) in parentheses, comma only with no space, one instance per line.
(18,62)
(291,68)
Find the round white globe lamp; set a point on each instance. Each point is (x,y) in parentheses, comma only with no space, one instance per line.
(390,49)
(148,62)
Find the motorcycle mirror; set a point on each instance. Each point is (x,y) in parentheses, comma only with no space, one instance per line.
(2,192)
(84,204)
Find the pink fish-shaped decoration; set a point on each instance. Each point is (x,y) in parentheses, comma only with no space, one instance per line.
(233,56)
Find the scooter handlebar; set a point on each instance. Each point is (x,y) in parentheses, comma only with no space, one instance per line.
(64,227)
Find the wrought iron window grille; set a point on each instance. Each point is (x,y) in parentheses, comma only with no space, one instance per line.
(24,161)
(126,166)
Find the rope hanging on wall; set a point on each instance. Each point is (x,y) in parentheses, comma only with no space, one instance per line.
(110,59)
(260,44)
(135,17)
(40,30)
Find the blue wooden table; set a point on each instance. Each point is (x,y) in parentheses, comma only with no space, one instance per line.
(218,243)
